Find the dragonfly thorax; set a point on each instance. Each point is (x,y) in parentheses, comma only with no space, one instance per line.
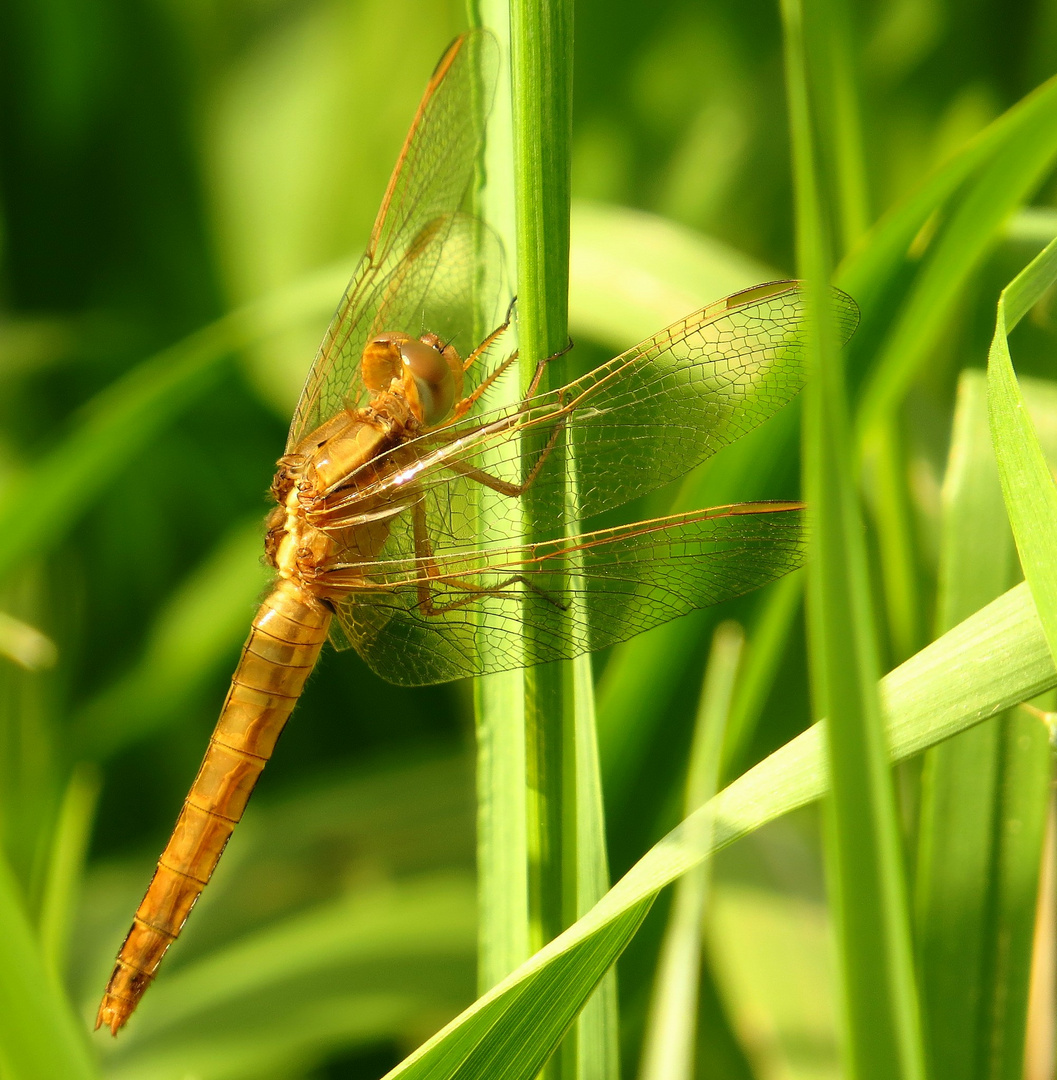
(294,547)
(344,450)
(321,474)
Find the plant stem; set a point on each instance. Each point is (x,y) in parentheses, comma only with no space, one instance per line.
(882,1031)
(502,857)
(541,41)
(567,869)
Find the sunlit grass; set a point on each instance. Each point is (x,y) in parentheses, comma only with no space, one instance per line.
(340,934)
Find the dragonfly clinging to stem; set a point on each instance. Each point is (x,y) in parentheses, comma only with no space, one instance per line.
(376,538)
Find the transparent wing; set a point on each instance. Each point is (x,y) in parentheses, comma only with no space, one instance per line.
(449,282)
(391,287)
(633,424)
(463,614)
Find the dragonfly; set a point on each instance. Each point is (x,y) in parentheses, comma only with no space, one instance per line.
(400,525)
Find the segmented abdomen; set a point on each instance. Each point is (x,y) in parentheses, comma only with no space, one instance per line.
(282,648)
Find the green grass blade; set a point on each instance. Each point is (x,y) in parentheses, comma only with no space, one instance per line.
(977,557)
(971,226)
(1040,1037)
(69,848)
(540,44)
(829,28)
(542,73)
(356,970)
(1022,804)
(989,662)
(502,862)
(25,645)
(892,514)
(669,1044)
(640,676)
(888,251)
(1027,482)
(959,778)
(977,870)
(196,636)
(936,252)
(774,620)
(1030,497)
(499,702)
(541,52)
(41,505)
(568,870)
(864,857)
(40,1038)
(598,1026)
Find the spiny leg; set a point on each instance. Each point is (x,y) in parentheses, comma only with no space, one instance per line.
(541,367)
(505,487)
(486,344)
(475,592)
(424,555)
(467,402)
(463,407)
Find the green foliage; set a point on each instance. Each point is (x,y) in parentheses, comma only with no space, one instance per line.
(1027,480)
(43,1037)
(172,177)
(867,887)
(668,1050)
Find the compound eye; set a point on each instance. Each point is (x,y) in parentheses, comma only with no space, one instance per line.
(433,380)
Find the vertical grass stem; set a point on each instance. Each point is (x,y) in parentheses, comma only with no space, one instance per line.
(882,1035)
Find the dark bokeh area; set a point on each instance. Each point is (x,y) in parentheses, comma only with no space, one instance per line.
(163,162)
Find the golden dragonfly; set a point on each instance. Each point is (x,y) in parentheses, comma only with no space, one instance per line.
(381,537)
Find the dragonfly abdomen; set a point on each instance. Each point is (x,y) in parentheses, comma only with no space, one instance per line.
(281,650)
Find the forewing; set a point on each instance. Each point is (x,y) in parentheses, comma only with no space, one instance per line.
(451,280)
(416,218)
(576,595)
(633,424)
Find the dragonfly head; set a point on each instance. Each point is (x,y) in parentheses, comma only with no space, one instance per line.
(427,373)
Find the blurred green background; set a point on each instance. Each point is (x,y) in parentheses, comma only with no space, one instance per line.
(164,162)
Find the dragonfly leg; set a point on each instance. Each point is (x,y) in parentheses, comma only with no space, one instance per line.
(541,367)
(467,403)
(505,487)
(475,592)
(486,344)
(424,553)
(464,406)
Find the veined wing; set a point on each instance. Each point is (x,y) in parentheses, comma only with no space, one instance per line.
(633,424)
(578,594)
(417,215)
